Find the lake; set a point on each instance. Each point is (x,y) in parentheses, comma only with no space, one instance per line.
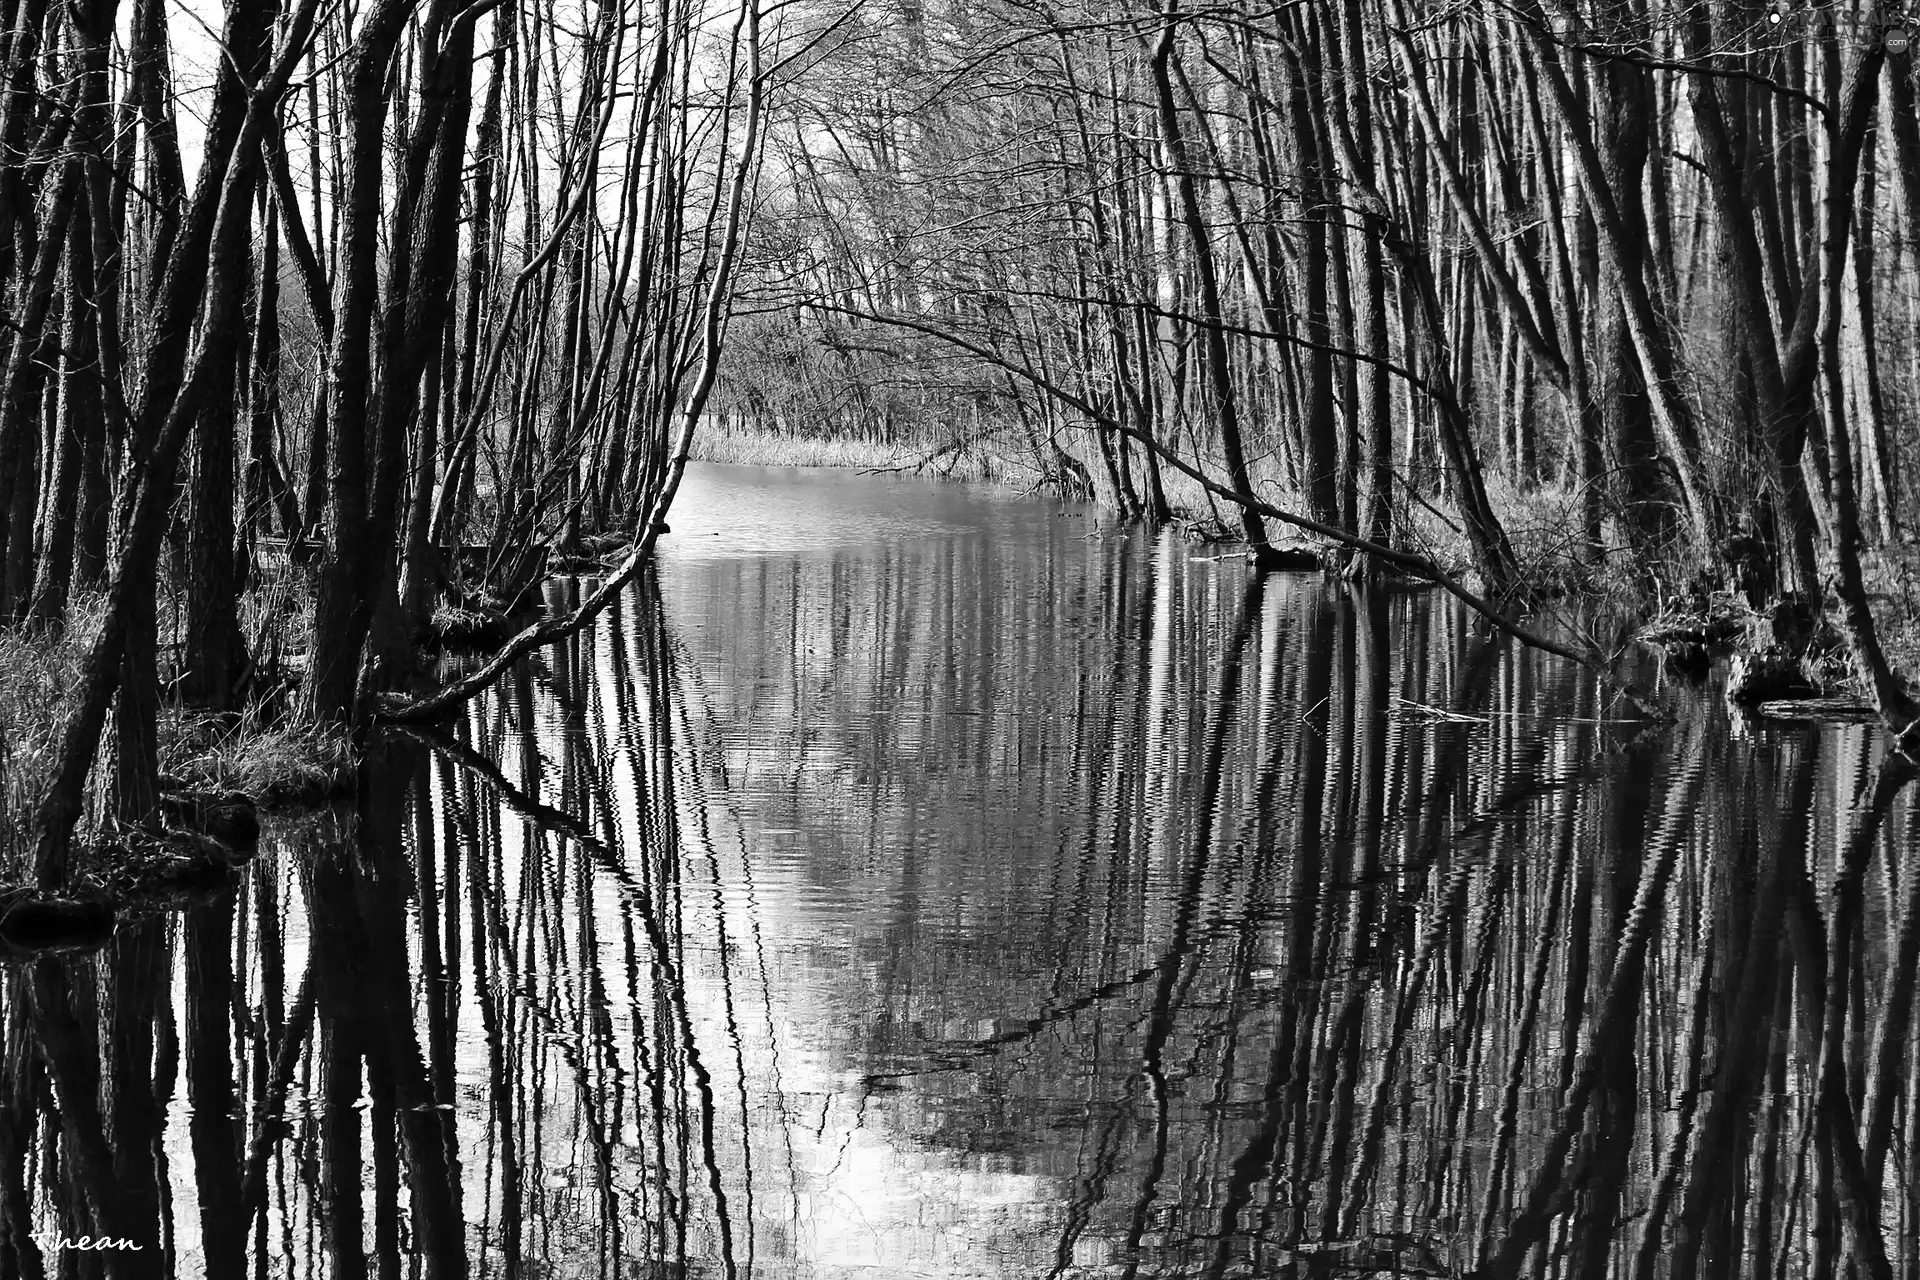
(911,880)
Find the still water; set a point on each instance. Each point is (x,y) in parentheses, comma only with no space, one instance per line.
(913,881)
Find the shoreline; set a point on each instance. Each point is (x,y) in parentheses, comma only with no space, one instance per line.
(737,447)
(289,766)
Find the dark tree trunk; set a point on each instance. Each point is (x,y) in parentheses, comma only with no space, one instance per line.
(78,432)
(415,330)
(1319,445)
(1213,338)
(24,372)
(215,649)
(1624,131)
(127,630)
(16,582)
(349,572)
(19,105)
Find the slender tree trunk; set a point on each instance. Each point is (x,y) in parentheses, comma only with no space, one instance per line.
(78,430)
(1306,92)
(215,650)
(1226,403)
(267,492)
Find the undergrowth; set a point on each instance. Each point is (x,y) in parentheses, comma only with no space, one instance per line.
(273,764)
(40,673)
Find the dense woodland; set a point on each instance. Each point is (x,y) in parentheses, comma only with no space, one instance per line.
(446,276)
(1624,289)
(452,286)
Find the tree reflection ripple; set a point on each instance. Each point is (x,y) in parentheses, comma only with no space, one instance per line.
(1001,897)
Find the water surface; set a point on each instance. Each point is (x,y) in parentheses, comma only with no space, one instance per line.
(910,880)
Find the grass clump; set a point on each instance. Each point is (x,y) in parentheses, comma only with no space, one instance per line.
(214,768)
(40,671)
(1893,588)
(284,765)
(463,626)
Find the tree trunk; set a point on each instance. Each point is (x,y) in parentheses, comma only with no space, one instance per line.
(77,429)
(20,382)
(1624,129)
(1226,404)
(1306,91)
(344,603)
(215,650)
(415,336)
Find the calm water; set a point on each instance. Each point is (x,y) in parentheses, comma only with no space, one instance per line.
(916,882)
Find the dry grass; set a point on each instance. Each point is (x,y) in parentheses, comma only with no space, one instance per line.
(40,671)
(455,626)
(768,449)
(39,676)
(294,764)
(1893,585)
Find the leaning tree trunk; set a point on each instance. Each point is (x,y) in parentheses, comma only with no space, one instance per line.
(1213,338)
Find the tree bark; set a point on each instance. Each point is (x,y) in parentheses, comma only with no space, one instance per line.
(77,430)
(1226,401)
(1625,128)
(344,603)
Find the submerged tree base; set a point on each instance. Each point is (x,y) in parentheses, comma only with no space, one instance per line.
(31,924)
(132,870)
(1769,676)
(204,840)
(230,817)
(1274,559)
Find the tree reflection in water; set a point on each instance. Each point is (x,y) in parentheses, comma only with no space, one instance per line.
(1093,914)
